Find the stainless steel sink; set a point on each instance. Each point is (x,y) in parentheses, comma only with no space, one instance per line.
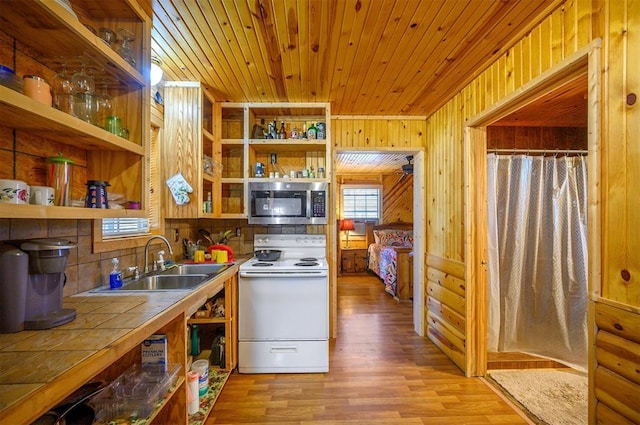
(162,282)
(185,269)
(182,277)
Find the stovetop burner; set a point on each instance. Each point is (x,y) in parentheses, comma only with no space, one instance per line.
(306,264)
(309,259)
(262,264)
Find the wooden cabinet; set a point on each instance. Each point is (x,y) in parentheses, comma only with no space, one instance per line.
(196,126)
(46,35)
(188,141)
(231,153)
(226,325)
(238,149)
(353,260)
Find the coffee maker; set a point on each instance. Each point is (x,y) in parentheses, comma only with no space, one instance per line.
(31,285)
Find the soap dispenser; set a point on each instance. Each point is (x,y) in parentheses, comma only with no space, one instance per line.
(115,277)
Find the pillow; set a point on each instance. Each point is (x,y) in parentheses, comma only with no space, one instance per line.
(403,238)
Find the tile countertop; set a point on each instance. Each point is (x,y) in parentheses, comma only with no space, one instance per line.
(44,366)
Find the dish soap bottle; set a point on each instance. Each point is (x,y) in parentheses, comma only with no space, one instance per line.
(115,277)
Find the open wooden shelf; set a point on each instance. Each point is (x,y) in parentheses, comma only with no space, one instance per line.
(23,113)
(33,20)
(43,212)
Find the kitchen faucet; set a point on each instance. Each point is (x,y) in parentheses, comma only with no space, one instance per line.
(146,250)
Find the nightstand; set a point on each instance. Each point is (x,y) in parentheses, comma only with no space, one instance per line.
(353,260)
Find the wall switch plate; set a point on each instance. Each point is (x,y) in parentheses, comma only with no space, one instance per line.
(274,158)
(238,231)
(176,235)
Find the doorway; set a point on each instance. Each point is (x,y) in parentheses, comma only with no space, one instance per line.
(536,101)
(418,216)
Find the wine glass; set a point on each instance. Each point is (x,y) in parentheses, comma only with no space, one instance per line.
(125,47)
(63,88)
(104,101)
(81,81)
(84,100)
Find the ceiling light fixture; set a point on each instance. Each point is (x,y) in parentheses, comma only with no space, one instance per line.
(156,71)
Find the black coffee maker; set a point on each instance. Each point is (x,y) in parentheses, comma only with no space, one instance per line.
(31,285)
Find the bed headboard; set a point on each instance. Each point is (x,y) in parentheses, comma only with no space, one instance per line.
(398,225)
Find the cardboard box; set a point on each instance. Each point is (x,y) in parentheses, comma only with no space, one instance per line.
(154,350)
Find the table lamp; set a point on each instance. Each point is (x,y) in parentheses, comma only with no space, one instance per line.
(347,225)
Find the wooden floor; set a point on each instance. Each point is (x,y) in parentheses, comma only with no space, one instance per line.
(381,372)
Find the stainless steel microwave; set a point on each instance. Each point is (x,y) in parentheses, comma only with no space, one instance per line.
(283,202)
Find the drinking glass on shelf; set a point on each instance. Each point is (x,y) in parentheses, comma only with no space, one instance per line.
(81,81)
(104,101)
(85,105)
(63,89)
(108,35)
(125,49)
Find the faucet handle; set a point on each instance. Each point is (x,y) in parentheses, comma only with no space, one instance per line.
(135,270)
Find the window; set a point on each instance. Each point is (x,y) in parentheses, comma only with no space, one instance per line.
(113,228)
(361,202)
(118,227)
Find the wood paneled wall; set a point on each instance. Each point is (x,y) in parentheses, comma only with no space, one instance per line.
(536,138)
(570,27)
(617,376)
(446,307)
(369,134)
(397,199)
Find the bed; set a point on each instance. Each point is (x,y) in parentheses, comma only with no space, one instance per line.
(390,253)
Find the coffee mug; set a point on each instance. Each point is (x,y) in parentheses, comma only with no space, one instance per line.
(42,195)
(113,124)
(14,192)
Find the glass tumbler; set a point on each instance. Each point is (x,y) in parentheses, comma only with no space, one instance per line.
(63,90)
(85,107)
(125,49)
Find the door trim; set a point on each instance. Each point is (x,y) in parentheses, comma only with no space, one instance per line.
(585,60)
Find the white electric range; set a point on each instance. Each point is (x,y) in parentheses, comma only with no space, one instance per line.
(283,307)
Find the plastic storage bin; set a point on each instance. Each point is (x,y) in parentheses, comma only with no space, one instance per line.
(136,393)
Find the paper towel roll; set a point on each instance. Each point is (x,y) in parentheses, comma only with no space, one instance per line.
(192,397)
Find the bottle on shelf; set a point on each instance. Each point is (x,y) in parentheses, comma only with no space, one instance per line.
(208,204)
(274,129)
(282,133)
(312,132)
(303,133)
(294,133)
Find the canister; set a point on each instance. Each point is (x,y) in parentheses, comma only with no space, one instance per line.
(37,89)
(59,177)
(97,194)
(259,169)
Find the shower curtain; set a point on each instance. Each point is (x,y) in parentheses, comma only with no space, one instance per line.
(537,256)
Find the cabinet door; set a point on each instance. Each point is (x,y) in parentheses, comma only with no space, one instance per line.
(360,261)
(348,263)
(182,150)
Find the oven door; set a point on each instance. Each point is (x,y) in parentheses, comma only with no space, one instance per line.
(277,307)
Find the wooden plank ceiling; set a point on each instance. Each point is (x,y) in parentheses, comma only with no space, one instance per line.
(366,57)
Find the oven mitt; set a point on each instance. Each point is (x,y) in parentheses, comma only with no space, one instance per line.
(180,189)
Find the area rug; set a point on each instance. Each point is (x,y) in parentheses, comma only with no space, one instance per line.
(552,396)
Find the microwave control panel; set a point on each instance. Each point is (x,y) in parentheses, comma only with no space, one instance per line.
(318,204)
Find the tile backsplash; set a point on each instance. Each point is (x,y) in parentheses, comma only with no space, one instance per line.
(87,270)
